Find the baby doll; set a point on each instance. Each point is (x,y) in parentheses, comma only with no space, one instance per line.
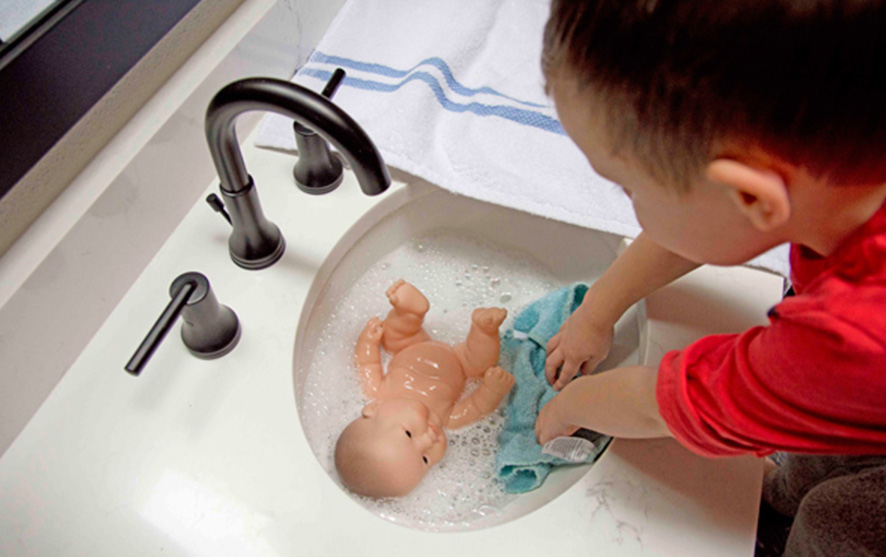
(399,435)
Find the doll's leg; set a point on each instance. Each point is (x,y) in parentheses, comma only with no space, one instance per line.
(403,324)
(480,350)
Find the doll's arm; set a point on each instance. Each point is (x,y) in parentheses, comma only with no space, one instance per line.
(367,356)
(496,385)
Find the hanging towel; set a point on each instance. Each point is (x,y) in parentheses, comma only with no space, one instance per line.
(452,91)
(520,463)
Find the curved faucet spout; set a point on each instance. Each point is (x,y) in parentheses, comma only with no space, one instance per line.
(255,242)
(304,106)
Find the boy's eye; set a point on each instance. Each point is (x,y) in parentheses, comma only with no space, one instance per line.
(408,434)
(425,459)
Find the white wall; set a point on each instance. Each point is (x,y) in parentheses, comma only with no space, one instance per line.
(63,277)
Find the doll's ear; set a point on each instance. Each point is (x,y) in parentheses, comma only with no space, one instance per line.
(370,409)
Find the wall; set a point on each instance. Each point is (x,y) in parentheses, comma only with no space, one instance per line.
(73,151)
(62,278)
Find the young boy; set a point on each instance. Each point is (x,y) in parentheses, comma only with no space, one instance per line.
(735,126)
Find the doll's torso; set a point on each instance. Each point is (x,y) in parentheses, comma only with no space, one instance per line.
(429,372)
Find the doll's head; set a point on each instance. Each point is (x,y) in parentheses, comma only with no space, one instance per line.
(388,450)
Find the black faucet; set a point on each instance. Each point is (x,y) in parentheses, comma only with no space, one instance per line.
(255,242)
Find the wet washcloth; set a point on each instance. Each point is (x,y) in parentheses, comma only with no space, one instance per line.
(520,463)
(454,94)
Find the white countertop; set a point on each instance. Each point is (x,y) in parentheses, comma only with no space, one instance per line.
(208,458)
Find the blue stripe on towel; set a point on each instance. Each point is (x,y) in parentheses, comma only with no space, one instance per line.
(518,115)
(388,71)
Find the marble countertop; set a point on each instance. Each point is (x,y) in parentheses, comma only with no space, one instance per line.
(208,458)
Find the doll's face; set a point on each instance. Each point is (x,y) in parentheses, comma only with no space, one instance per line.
(389,449)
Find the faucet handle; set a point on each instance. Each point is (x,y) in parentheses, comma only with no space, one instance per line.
(210,330)
(332,85)
(317,171)
(218,206)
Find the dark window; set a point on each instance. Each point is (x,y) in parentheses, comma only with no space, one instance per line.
(53,73)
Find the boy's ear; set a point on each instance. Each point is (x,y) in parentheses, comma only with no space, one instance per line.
(370,409)
(760,194)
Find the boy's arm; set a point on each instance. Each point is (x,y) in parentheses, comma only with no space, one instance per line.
(620,402)
(640,270)
(367,357)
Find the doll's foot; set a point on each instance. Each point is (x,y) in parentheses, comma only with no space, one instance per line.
(407,299)
(489,319)
(498,380)
(373,330)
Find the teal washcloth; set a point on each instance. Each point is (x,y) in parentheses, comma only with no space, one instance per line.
(520,463)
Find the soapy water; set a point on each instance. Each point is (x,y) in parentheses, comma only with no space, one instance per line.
(457,274)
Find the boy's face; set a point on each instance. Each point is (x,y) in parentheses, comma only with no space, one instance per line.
(703,225)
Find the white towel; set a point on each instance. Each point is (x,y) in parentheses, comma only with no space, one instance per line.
(452,91)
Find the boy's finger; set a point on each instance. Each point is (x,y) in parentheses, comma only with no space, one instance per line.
(539,425)
(553,343)
(552,364)
(567,372)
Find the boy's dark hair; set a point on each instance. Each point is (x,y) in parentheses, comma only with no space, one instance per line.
(802,79)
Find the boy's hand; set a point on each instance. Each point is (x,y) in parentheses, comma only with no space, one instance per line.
(581,344)
(619,402)
(552,421)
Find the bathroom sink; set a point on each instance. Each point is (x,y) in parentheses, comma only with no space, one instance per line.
(201,457)
(391,241)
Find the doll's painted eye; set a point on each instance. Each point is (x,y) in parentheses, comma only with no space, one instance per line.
(408,434)
(425,459)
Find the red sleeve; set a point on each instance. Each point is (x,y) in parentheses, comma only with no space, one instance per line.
(807,383)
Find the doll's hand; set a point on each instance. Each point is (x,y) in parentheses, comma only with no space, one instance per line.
(581,344)
(552,421)
(374,330)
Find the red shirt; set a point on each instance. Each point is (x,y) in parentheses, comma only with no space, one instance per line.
(812,381)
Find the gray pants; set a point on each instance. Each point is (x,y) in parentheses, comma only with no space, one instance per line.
(838,504)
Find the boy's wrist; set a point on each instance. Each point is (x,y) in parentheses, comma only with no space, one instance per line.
(602,306)
(570,404)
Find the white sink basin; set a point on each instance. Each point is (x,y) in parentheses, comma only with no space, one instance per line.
(566,253)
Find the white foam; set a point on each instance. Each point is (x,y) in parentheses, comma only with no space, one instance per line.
(457,273)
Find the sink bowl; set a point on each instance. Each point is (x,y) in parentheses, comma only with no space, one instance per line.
(545,254)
